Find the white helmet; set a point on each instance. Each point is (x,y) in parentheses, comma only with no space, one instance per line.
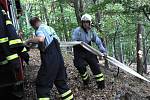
(86,17)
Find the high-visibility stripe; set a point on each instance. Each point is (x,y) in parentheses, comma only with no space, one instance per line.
(84,74)
(44,99)
(2,40)
(4,62)
(24,49)
(16,41)
(66,93)
(84,78)
(11,57)
(69,98)
(101,79)
(8,22)
(99,75)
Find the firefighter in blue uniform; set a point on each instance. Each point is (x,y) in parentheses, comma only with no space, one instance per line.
(52,70)
(82,57)
(10,46)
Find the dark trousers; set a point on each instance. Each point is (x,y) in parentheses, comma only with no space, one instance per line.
(82,58)
(14,92)
(9,90)
(52,71)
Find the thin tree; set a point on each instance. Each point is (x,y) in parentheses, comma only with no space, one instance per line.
(139,49)
(63,19)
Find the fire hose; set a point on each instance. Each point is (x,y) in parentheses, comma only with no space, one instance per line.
(109,58)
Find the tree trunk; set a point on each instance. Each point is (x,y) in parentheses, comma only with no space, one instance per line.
(63,20)
(45,12)
(144,57)
(139,49)
(145,52)
(77,12)
(97,20)
(115,36)
(26,15)
(121,53)
(114,44)
(81,8)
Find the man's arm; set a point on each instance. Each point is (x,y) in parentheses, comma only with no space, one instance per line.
(99,43)
(36,39)
(39,38)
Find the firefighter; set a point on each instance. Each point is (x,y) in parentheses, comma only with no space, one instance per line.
(52,68)
(10,67)
(83,57)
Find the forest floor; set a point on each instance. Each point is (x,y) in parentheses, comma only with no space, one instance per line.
(121,87)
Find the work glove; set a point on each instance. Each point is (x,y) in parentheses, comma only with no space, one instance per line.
(29,45)
(105,55)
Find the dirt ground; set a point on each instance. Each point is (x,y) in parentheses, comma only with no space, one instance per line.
(121,87)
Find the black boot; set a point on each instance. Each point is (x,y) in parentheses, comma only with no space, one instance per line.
(86,82)
(101,84)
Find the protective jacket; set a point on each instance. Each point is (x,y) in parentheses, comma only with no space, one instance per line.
(10,46)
